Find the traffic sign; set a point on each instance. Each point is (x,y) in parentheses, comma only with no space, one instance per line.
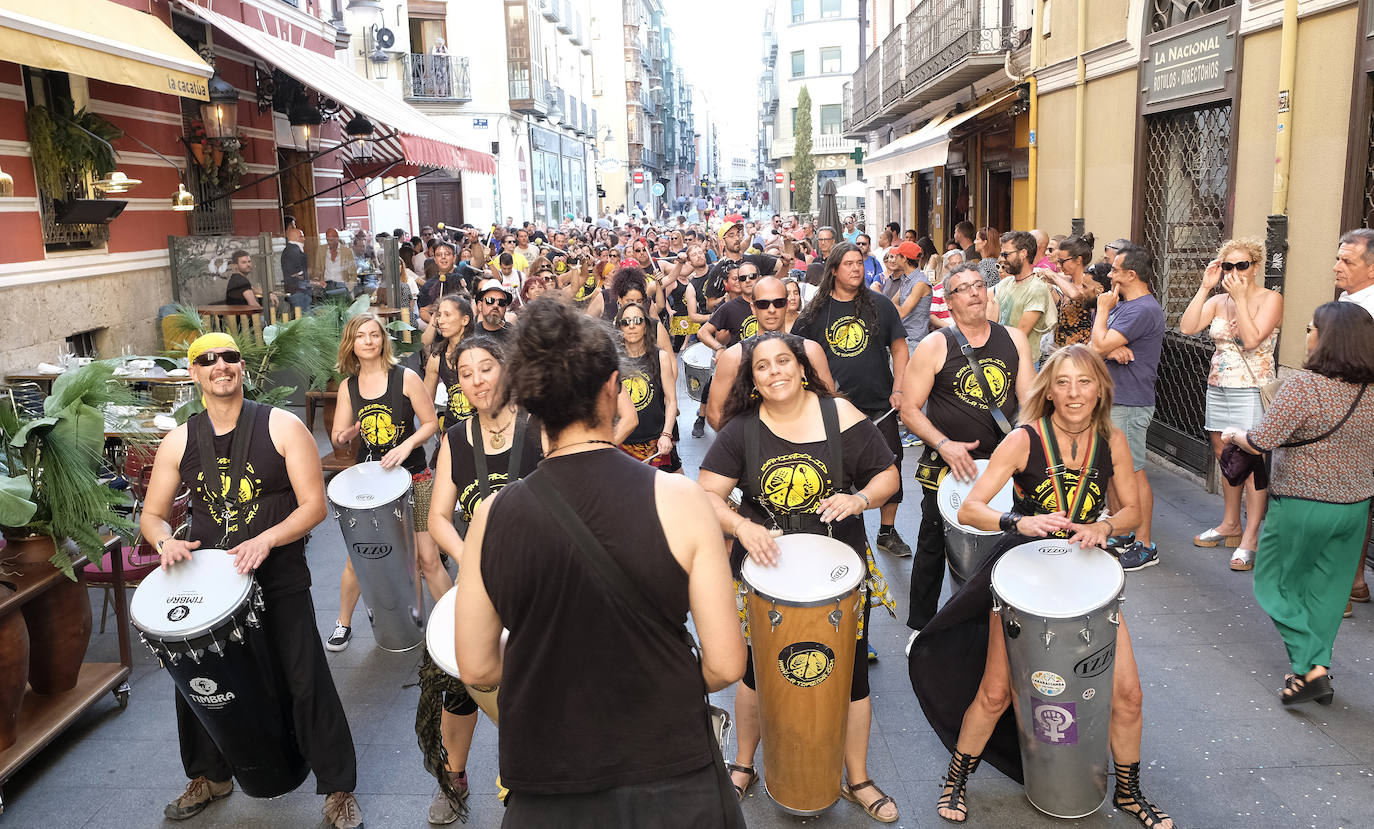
(792,186)
(658,188)
(780,177)
(639,177)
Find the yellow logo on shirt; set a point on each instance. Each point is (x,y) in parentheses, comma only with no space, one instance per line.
(376,425)
(587,288)
(458,404)
(471,496)
(1044,496)
(970,391)
(640,390)
(847,336)
(249,489)
(750,327)
(794,483)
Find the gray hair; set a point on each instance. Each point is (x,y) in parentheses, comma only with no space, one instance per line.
(965,267)
(1363,236)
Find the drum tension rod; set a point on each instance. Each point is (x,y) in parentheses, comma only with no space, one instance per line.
(836,615)
(774,618)
(1048,636)
(1085,634)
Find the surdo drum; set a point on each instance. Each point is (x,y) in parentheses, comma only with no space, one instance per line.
(803,622)
(697,360)
(1060,608)
(968,547)
(373,507)
(439,643)
(203,621)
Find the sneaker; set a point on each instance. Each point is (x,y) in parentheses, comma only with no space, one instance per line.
(911,640)
(341,811)
(699,428)
(339,641)
(910,441)
(443,810)
(892,544)
(1139,556)
(1118,544)
(872,653)
(199,793)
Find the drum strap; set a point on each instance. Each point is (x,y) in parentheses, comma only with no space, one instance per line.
(1055,467)
(204,436)
(479,451)
(613,577)
(753,460)
(968,352)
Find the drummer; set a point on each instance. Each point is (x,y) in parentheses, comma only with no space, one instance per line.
(381,401)
(791,487)
(511,449)
(453,320)
(646,366)
(286,502)
(768,292)
(628,285)
(1066,425)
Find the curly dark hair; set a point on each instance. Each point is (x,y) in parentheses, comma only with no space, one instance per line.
(742,396)
(864,306)
(627,279)
(1345,343)
(560,360)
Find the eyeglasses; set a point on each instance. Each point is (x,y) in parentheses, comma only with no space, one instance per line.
(745,277)
(968,286)
(762,304)
(1239,266)
(1063,262)
(209,358)
(626,322)
(507,241)
(495,300)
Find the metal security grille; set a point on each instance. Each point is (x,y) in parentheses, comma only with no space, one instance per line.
(1367,214)
(1187,178)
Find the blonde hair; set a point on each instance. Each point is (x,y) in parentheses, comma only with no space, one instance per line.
(1252,248)
(1038,403)
(347,363)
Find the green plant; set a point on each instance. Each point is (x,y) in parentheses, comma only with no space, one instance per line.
(64,157)
(232,166)
(51,478)
(803,163)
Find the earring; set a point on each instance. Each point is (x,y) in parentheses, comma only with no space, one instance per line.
(754,394)
(805,383)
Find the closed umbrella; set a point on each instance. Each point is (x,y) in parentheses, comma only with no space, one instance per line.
(829,215)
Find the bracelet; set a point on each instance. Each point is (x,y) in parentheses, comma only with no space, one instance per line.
(1111,531)
(668,435)
(941,443)
(158,546)
(1007,523)
(867,503)
(742,522)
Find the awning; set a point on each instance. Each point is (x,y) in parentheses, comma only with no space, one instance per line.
(925,148)
(103,40)
(419,141)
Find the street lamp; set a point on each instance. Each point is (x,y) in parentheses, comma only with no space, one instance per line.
(380,62)
(220,114)
(361,131)
(555,114)
(305,120)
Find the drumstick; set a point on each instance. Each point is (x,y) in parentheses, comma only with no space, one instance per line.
(884,417)
(654,457)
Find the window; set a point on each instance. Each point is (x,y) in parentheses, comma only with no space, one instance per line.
(798,64)
(794,120)
(830,60)
(830,119)
(798,11)
(830,8)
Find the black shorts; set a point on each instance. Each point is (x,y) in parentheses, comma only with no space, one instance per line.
(888,427)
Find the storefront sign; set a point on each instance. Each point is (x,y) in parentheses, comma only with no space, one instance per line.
(1190,64)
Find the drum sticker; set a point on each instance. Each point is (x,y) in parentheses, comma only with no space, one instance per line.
(372,551)
(178,613)
(1095,663)
(1048,683)
(1056,723)
(693,383)
(1089,694)
(839,572)
(207,693)
(806,664)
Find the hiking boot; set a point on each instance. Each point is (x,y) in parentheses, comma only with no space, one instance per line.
(892,544)
(341,811)
(1139,557)
(699,428)
(1118,544)
(199,793)
(443,810)
(339,641)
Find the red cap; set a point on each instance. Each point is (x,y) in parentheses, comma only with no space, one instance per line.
(629,263)
(909,249)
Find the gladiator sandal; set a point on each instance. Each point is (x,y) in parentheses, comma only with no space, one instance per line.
(961,765)
(1129,799)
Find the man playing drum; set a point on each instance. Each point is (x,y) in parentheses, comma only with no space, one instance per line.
(1062,460)
(946,406)
(273,468)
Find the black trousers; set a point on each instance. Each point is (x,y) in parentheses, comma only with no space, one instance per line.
(888,428)
(321,728)
(927,563)
(690,801)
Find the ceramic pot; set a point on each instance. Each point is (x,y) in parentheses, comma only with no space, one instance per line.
(59,624)
(14,669)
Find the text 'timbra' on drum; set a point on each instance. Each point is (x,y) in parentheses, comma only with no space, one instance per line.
(1060,609)
(373,507)
(204,622)
(967,547)
(803,623)
(699,366)
(439,643)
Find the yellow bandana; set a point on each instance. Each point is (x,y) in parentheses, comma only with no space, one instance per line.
(205,342)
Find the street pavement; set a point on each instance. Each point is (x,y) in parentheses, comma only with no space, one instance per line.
(1219,750)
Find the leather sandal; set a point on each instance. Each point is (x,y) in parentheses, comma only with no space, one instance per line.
(847,792)
(1242,560)
(955,784)
(749,770)
(1360,594)
(1128,798)
(1212,538)
(1298,689)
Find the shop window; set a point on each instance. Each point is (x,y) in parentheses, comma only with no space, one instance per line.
(831,115)
(1166,13)
(798,64)
(830,60)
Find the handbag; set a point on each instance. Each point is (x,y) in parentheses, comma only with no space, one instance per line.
(1267,391)
(1237,464)
(614,579)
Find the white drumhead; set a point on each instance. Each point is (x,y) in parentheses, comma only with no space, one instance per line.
(953,492)
(698,355)
(439,634)
(368,485)
(1055,579)
(811,569)
(190,597)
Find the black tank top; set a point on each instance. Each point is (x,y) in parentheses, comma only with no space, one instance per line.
(456,407)
(386,421)
(677,298)
(463,467)
(1035,490)
(956,405)
(264,498)
(609,305)
(592,695)
(642,380)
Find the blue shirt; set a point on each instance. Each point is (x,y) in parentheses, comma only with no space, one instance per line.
(1141,321)
(852,236)
(873,271)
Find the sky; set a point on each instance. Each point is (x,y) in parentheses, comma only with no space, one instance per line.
(719,44)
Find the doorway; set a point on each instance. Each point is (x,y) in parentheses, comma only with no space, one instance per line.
(999,199)
(439,201)
(925,202)
(297,189)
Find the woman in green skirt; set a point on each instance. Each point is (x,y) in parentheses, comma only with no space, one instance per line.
(1320,428)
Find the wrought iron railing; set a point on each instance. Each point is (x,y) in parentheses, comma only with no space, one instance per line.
(940,33)
(57,236)
(894,65)
(438,78)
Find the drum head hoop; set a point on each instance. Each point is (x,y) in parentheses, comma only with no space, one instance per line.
(439,633)
(698,355)
(190,597)
(368,485)
(1057,580)
(953,493)
(811,570)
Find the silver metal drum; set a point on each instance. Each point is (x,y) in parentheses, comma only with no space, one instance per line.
(373,506)
(439,642)
(967,547)
(697,360)
(1060,607)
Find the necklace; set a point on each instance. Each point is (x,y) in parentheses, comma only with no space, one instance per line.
(1073,443)
(498,437)
(553,449)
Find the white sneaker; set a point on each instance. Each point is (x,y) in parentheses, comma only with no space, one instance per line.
(339,641)
(911,640)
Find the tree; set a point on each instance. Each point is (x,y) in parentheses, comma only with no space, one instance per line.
(803,164)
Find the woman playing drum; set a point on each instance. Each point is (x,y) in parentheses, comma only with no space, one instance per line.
(643,377)
(1066,426)
(790,487)
(382,401)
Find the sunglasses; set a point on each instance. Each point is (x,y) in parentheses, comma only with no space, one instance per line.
(762,304)
(496,300)
(1063,262)
(1311,328)
(1239,266)
(626,322)
(745,277)
(209,358)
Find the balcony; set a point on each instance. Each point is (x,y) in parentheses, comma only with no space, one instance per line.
(565,16)
(951,43)
(529,94)
(770,48)
(820,145)
(438,78)
(549,8)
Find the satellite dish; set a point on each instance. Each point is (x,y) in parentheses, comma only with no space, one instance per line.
(386,38)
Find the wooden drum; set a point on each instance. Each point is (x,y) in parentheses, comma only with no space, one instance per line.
(439,643)
(803,622)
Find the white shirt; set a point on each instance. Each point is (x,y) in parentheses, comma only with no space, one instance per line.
(333,265)
(1364,298)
